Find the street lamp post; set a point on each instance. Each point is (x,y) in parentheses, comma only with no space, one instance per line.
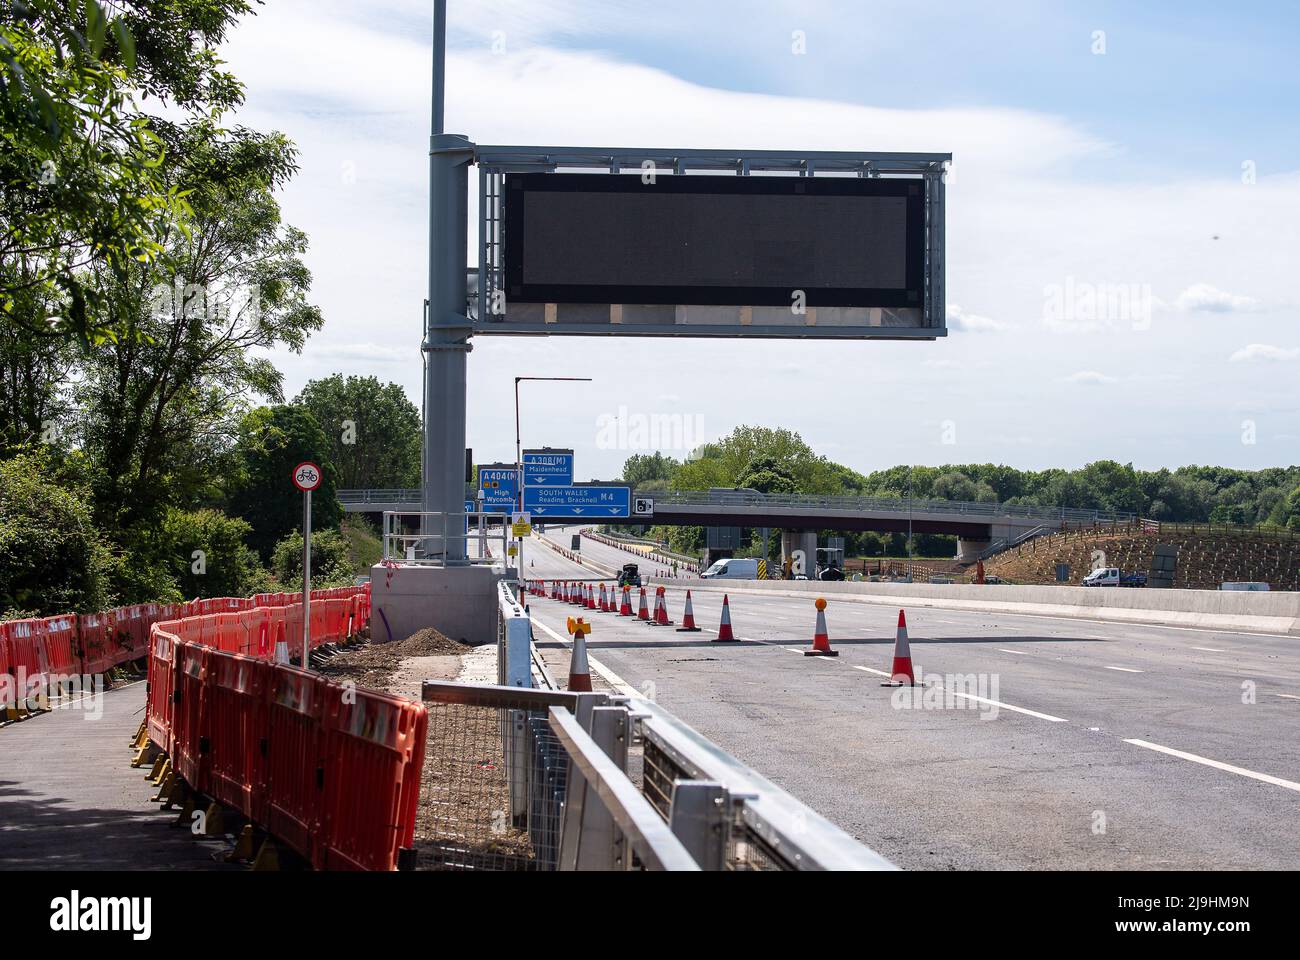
(519,455)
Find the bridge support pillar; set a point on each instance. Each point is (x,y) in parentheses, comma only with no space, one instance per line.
(800,547)
(968,551)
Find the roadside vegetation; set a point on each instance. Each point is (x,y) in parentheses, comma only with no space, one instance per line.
(779,461)
(147,284)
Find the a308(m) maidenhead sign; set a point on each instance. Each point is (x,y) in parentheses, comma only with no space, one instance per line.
(844,245)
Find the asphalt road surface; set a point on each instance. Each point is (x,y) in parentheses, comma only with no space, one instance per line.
(1066,744)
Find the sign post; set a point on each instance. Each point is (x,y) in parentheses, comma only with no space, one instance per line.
(306,477)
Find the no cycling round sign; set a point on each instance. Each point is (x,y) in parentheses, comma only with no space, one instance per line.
(306,476)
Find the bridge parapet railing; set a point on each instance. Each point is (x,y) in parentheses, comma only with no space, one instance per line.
(1068,515)
(886,504)
(377,495)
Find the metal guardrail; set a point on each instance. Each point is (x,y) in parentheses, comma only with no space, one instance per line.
(522,778)
(817,501)
(427,543)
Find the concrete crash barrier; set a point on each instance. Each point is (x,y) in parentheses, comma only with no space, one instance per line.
(1275,612)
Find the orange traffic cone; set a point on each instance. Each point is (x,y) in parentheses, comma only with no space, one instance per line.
(591,597)
(602,604)
(281,646)
(661,611)
(821,642)
(901,675)
(625,608)
(644,612)
(724,628)
(579,671)
(688,618)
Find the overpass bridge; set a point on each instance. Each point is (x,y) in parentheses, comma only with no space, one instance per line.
(980,528)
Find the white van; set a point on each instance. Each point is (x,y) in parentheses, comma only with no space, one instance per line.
(735,568)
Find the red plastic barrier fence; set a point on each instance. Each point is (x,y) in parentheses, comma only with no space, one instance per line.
(188,735)
(238,698)
(331,771)
(295,774)
(162,684)
(376,740)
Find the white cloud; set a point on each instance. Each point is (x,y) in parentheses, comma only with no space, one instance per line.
(1019,221)
(1207,299)
(959,319)
(1257,352)
(371,352)
(1090,378)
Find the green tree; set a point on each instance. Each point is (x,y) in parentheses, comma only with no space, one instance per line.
(374,431)
(1287,512)
(331,560)
(80,179)
(52,559)
(271,442)
(641,469)
(766,475)
(722,464)
(205,551)
(35,395)
(165,398)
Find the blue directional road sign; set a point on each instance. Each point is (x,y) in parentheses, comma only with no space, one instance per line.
(500,485)
(548,468)
(578,503)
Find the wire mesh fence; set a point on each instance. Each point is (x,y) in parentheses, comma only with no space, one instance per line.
(494,781)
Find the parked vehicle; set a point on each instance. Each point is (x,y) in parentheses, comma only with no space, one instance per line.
(733,568)
(629,576)
(1114,577)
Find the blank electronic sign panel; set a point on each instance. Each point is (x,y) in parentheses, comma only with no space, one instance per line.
(714,240)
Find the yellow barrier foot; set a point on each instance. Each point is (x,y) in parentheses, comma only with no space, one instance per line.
(268,857)
(156,770)
(245,846)
(214,822)
(164,782)
(146,754)
(174,792)
(141,738)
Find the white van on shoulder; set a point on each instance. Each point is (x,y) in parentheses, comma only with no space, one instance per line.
(734,568)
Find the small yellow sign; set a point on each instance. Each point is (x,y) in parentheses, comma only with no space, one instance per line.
(521,529)
(512,551)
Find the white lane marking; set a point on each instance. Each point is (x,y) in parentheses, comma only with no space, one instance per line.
(1122,669)
(612,678)
(996,703)
(971,696)
(1014,709)
(1023,653)
(1287,696)
(1217,765)
(1210,649)
(879,673)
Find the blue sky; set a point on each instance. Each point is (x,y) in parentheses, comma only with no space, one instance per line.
(1162,168)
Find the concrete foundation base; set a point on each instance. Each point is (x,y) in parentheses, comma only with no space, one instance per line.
(461,602)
